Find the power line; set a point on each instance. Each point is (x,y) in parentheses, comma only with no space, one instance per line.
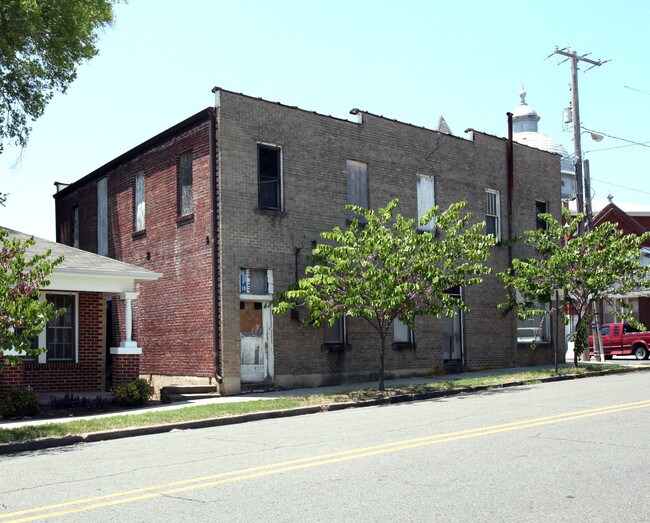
(621,186)
(617,138)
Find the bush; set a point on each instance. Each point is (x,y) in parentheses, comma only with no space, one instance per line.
(19,402)
(70,401)
(136,392)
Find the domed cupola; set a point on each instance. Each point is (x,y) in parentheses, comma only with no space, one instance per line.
(524,117)
(525,131)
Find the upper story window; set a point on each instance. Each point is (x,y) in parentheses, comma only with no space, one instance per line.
(357,187)
(426,200)
(493,213)
(102,217)
(269,166)
(75,226)
(185,184)
(540,208)
(139,203)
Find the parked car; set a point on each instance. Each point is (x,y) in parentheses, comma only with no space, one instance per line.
(621,339)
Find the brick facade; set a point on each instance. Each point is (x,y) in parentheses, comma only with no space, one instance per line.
(87,374)
(126,367)
(184,335)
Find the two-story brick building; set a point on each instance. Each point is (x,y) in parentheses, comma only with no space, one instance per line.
(228,203)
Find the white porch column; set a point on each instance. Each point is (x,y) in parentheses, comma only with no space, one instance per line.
(127,346)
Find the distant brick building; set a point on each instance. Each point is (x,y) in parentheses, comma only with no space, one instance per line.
(227,205)
(630,223)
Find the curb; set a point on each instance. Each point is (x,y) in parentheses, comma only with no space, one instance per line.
(63,441)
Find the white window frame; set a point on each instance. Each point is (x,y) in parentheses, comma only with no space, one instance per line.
(246,295)
(402,333)
(42,337)
(139,202)
(278,148)
(493,210)
(539,331)
(426,194)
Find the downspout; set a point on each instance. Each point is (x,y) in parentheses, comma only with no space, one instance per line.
(216,297)
(511,185)
(511,194)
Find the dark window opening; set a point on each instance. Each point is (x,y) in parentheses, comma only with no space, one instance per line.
(540,208)
(185,191)
(60,331)
(269,177)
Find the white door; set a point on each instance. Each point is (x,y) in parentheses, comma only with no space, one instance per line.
(453,338)
(256,346)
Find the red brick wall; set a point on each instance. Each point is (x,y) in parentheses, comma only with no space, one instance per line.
(87,374)
(10,376)
(126,367)
(173,317)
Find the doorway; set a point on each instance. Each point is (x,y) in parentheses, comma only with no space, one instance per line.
(256,338)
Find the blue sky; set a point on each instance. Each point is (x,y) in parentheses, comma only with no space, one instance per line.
(410,60)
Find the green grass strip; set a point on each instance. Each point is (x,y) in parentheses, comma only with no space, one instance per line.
(218,410)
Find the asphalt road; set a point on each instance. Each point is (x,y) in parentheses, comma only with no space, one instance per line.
(566,451)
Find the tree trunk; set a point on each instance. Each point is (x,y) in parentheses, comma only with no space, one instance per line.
(382,354)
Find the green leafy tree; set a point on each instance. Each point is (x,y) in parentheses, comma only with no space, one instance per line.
(601,263)
(385,269)
(22,315)
(41,44)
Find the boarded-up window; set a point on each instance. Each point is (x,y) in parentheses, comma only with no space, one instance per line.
(335,334)
(185,191)
(102,217)
(139,204)
(492,213)
(402,332)
(426,200)
(269,161)
(250,318)
(357,187)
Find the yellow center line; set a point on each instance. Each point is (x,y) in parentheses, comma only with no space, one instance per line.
(175,487)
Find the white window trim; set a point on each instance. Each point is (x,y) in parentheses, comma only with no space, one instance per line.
(42,337)
(278,147)
(244,296)
(498,210)
(431,226)
(140,206)
(545,335)
(409,332)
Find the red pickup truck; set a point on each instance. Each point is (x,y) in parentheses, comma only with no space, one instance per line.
(621,339)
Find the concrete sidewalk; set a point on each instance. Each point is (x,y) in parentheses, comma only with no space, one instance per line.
(253,396)
(59,441)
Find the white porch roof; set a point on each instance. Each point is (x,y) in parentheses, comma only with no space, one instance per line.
(86,271)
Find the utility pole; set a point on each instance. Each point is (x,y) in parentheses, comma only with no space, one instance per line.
(577,143)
